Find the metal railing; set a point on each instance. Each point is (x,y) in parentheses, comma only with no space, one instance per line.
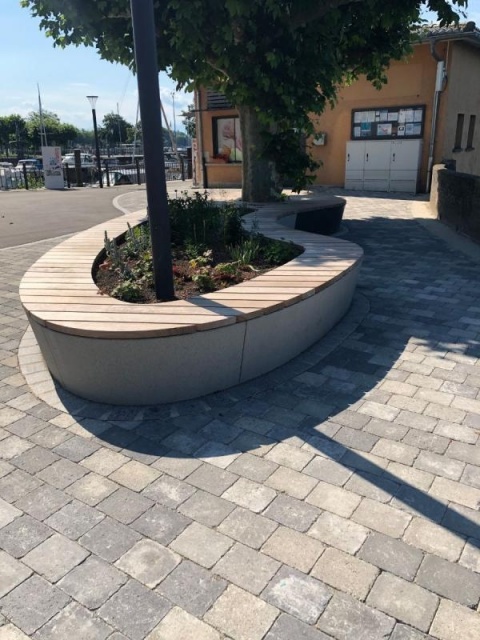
(113,174)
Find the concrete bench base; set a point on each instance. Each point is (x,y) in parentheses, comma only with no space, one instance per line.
(117,353)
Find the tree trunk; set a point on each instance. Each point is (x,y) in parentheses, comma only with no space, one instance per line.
(259,178)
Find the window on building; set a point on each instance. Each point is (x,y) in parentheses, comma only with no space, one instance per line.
(459,132)
(227,139)
(471,133)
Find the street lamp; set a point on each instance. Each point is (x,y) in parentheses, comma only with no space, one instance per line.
(93,102)
(174,121)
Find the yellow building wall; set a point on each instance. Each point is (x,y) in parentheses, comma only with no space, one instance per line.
(219,174)
(410,82)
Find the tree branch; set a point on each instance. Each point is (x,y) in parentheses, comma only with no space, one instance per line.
(312,16)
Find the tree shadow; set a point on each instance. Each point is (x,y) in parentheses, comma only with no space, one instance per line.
(410,316)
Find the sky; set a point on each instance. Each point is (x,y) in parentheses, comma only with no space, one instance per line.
(67,76)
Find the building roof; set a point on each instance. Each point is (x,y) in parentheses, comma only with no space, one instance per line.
(467,31)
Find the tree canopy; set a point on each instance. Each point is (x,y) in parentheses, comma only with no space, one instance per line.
(277,60)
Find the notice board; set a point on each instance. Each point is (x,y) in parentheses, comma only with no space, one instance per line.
(385,123)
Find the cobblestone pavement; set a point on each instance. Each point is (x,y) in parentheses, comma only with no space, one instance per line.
(337,497)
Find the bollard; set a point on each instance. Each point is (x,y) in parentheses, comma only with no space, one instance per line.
(106,171)
(182,167)
(68,175)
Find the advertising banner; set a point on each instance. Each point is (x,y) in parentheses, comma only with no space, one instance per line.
(52,167)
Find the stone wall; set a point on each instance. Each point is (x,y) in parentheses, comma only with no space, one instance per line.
(456,198)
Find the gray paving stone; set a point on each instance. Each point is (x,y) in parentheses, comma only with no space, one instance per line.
(17,484)
(32,604)
(385,429)
(293,548)
(247,527)
(22,535)
(250,495)
(192,587)
(298,594)
(206,509)
(178,467)
(346,619)
(109,539)
(391,555)
(92,582)
(202,545)
(346,573)
(241,615)
(453,622)
(26,426)
(148,562)
(50,437)
(339,532)
(382,518)
(8,513)
(168,491)
(471,476)
(328,470)
(135,475)
(334,499)
(410,475)
(12,573)
(34,459)
(291,513)
(74,519)
(451,491)
(439,465)
(371,486)
(355,439)
(420,503)
(161,524)
(293,483)
(253,467)
(464,452)
(449,580)
(134,610)
(395,451)
(5,467)
(246,568)
(74,622)
(42,502)
(395,596)
(427,441)
(212,479)
(76,448)
(92,489)
(125,505)
(216,453)
(180,624)
(462,520)
(11,632)
(61,473)
(288,456)
(471,555)
(402,632)
(287,628)
(55,557)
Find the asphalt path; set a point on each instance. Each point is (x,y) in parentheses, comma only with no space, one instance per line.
(29,216)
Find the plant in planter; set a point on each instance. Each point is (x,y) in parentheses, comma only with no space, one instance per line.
(210,251)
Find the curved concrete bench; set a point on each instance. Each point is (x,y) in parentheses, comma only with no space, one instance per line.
(110,351)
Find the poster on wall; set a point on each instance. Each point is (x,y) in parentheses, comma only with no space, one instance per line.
(389,123)
(52,167)
(227,139)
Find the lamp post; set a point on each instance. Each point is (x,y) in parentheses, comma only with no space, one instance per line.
(174,121)
(93,102)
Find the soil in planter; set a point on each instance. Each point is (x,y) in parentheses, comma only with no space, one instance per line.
(196,270)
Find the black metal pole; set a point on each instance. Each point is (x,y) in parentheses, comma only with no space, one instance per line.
(143,20)
(97,149)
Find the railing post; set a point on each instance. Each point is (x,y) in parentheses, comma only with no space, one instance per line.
(106,171)
(137,163)
(182,167)
(68,175)
(25,178)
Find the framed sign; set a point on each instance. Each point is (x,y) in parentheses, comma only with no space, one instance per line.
(385,123)
(227,139)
